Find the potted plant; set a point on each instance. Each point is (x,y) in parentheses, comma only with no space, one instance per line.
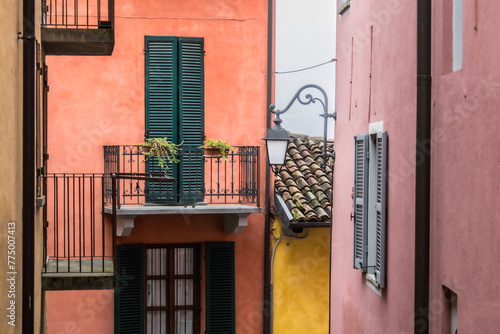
(216,148)
(162,149)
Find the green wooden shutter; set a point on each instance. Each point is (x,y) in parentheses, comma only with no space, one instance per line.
(381,208)
(161,96)
(361,201)
(191,111)
(219,285)
(129,292)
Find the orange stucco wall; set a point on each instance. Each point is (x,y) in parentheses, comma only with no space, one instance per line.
(96,101)
(92,311)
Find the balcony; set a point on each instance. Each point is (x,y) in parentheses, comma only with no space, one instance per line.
(86,211)
(198,184)
(78,27)
(79,240)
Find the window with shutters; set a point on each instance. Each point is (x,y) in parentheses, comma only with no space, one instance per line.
(158,289)
(174,103)
(370,206)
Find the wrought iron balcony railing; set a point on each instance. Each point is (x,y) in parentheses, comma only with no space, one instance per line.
(77,237)
(196,178)
(78,14)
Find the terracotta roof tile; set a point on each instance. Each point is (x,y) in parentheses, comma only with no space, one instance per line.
(302,183)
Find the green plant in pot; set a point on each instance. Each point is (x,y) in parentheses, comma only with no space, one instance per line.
(162,149)
(216,148)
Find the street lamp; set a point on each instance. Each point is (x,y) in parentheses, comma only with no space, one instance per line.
(277,137)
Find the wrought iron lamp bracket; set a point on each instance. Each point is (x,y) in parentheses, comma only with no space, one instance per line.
(305,100)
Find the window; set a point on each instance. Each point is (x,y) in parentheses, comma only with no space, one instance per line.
(174,98)
(172,290)
(158,288)
(370,205)
(450,314)
(452,45)
(344,6)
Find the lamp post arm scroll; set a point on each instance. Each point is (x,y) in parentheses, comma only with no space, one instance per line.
(305,100)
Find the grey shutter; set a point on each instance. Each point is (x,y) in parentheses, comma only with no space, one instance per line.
(219,288)
(361,201)
(191,122)
(161,97)
(129,292)
(380,267)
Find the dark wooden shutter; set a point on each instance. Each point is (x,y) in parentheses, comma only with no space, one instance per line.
(129,292)
(381,208)
(161,96)
(191,111)
(219,286)
(361,201)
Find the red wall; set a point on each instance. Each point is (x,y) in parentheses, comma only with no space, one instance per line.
(96,101)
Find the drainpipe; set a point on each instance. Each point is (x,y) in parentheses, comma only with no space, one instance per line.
(28,211)
(423,167)
(267,205)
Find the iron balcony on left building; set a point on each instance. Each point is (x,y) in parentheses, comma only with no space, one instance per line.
(78,28)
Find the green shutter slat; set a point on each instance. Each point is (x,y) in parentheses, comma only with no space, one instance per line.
(380,260)
(129,292)
(219,288)
(191,120)
(161,96)
(360,201)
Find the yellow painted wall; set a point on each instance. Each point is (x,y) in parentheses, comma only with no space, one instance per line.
(301,282)
(10,161)
(11,166)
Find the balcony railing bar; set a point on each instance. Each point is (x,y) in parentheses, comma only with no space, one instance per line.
(68,14)
(69,222)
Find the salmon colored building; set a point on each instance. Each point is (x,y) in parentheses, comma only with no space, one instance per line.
(143,252)
(415,219)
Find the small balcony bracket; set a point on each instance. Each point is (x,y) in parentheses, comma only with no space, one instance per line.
(124,225)
(235,223)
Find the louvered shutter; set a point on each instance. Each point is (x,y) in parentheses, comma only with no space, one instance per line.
(381,208)
(219,285)
(161,96)
(129,292)
(361,201)
(191,106)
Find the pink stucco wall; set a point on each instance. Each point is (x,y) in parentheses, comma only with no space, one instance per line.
(96,101)
(465,232)
(464,162)
(376,51)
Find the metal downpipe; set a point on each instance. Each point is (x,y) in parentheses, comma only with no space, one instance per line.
(422,169)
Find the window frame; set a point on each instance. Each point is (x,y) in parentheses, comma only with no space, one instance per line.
(171,277)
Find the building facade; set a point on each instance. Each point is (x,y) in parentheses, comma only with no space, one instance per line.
(411,234)
(189,253)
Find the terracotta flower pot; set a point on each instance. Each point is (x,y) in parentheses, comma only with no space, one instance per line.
(211,152)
